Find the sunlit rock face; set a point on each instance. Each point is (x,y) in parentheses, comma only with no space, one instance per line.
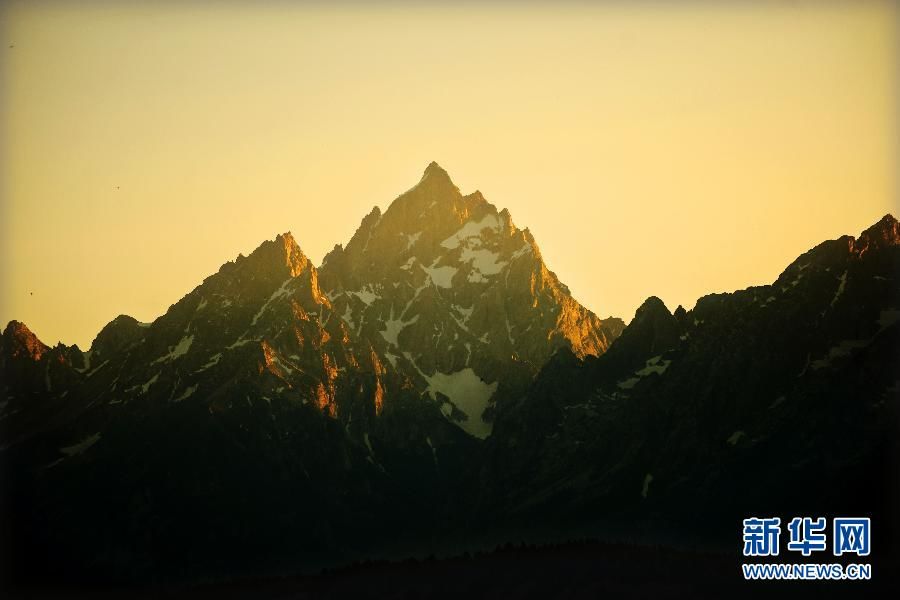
(457,298)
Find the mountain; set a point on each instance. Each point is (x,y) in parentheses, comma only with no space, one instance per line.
(280,411)
(168,446)
(433,386)
(457,298)
(776,400)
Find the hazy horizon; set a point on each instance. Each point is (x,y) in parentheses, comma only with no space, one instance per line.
(667,151)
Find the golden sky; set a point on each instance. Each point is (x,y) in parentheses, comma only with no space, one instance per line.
(659,150)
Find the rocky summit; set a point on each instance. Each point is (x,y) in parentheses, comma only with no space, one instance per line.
(433,386)
(457,298)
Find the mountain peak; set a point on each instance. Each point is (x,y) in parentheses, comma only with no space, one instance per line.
(652,331)
(20,341)
(886,232)
(283,251)
(435,175)
(434,168)
(652,306)
(477,196)
(116,335)
(287,238)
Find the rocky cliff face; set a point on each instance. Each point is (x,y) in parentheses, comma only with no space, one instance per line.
(457,298)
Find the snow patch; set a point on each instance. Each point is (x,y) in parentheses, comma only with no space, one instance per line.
(484,262)
(412,238)
(81,446)
(767,301)
(146,387)
(367,295)
(469,394)
(348,316)
(433,449)
(471,229)
(441,276)
(735,437)
(279,293)
(628,383)
(653,365)
(282,364)
(180,349)
(466,313)
(525,249)
(97,368)
(393,327)
(840,289)
(214,359)
(186,394)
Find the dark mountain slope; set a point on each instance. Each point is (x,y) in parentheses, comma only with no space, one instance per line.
(771,400)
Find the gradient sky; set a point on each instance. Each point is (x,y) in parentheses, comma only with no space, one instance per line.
(658,150)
